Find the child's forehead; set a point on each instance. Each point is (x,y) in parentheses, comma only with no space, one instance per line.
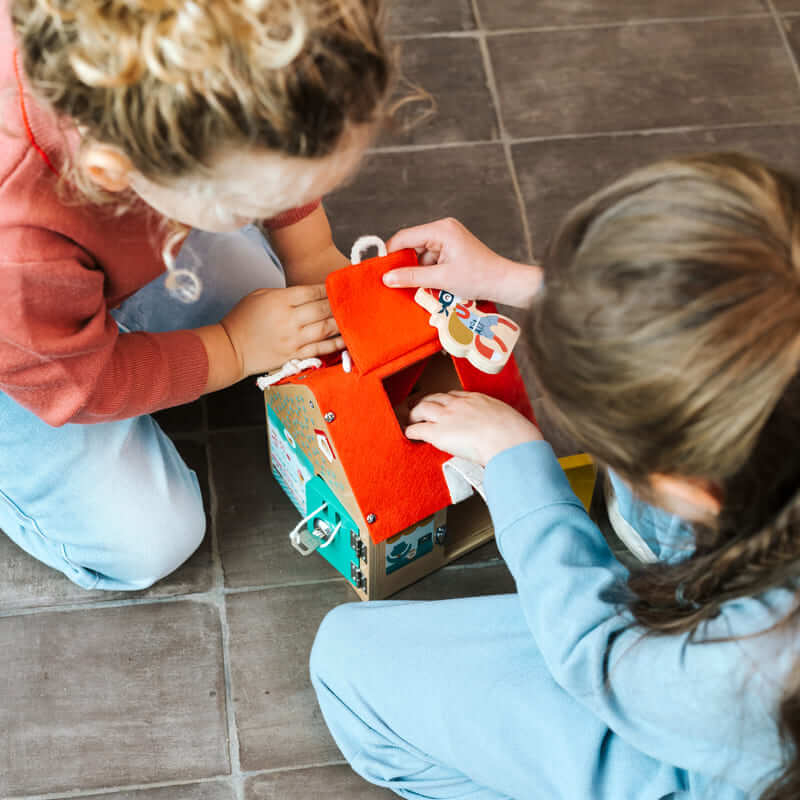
(242,170)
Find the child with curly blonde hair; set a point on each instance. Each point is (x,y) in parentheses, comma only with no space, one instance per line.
(180,125)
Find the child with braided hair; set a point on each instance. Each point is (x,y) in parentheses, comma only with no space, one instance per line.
(665,334)
(141,142)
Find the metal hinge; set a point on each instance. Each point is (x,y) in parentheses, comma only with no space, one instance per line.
(358,578)
(359,548)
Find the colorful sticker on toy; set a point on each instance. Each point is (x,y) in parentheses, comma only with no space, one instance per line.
(485,340)
(289,463)
(324,445)
(405,548)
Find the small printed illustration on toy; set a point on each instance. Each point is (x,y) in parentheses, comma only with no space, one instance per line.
(467,332)
(403,549)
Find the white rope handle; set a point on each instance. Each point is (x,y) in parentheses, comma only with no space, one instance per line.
(293,367)
(362,244)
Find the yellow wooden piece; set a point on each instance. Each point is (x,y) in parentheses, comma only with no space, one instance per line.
(581,472)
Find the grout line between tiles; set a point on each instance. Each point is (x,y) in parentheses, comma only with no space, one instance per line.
(232,590)
(785,39)
(237,784)
(557,137)
(105,791)
(295,768)
(578,26)
(491,83)
(197,597)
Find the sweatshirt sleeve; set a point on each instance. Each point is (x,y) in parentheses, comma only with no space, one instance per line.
(62,355)
(706,706)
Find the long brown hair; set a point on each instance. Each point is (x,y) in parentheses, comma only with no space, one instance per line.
(666,340)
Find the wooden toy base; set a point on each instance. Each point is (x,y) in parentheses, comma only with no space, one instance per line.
(312,476)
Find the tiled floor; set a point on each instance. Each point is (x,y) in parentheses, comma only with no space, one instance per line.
(198,688)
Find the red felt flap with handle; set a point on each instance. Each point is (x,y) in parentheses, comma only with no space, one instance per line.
(378,324)
(390,339)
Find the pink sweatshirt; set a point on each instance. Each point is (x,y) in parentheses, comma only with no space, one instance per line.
(62,267)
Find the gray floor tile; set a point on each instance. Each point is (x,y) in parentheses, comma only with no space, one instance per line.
(461,582)
(277,717)
(556,175)
(27,583)
(238,406)
(415,17)
(321,783)
(111,697)
(182,419)
(211,790)
(395,190)
(451,71)
(254,517)
(485,554)
(524,13)
(643,76)
(255,548)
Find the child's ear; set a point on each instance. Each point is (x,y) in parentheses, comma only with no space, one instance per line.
(107,167)
(693,499)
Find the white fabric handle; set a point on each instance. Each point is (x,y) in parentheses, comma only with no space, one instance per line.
(463,477)
(363,244)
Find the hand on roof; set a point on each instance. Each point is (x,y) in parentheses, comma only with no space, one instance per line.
(470,425)
(454,259)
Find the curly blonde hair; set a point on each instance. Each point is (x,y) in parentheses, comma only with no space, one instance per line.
(170,83)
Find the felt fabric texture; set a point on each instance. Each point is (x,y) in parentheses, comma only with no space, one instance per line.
(390,341)
(378,324)
(507,385)
(397,480)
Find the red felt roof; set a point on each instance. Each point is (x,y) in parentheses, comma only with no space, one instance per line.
(397,480)
(378,324)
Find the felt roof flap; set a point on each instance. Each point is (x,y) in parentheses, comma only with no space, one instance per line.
(378,324)
(398,480)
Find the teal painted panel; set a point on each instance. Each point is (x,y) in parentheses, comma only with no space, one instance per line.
(339,553)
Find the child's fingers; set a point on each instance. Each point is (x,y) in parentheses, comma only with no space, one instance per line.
(427,277)
(322,348)
(312,312)
(318,331)
(420,237)
(421,431)
(299,295)
(428,410)
(442,398)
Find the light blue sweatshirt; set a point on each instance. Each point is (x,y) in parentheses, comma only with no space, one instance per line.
(707,708)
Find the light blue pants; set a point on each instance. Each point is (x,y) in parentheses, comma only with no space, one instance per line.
(113,505)
(452,699)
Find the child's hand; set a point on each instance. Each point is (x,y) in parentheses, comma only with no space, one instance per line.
(270,326)
(471,425)
(453,259)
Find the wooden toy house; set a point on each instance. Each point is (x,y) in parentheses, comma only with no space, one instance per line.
(382,509)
